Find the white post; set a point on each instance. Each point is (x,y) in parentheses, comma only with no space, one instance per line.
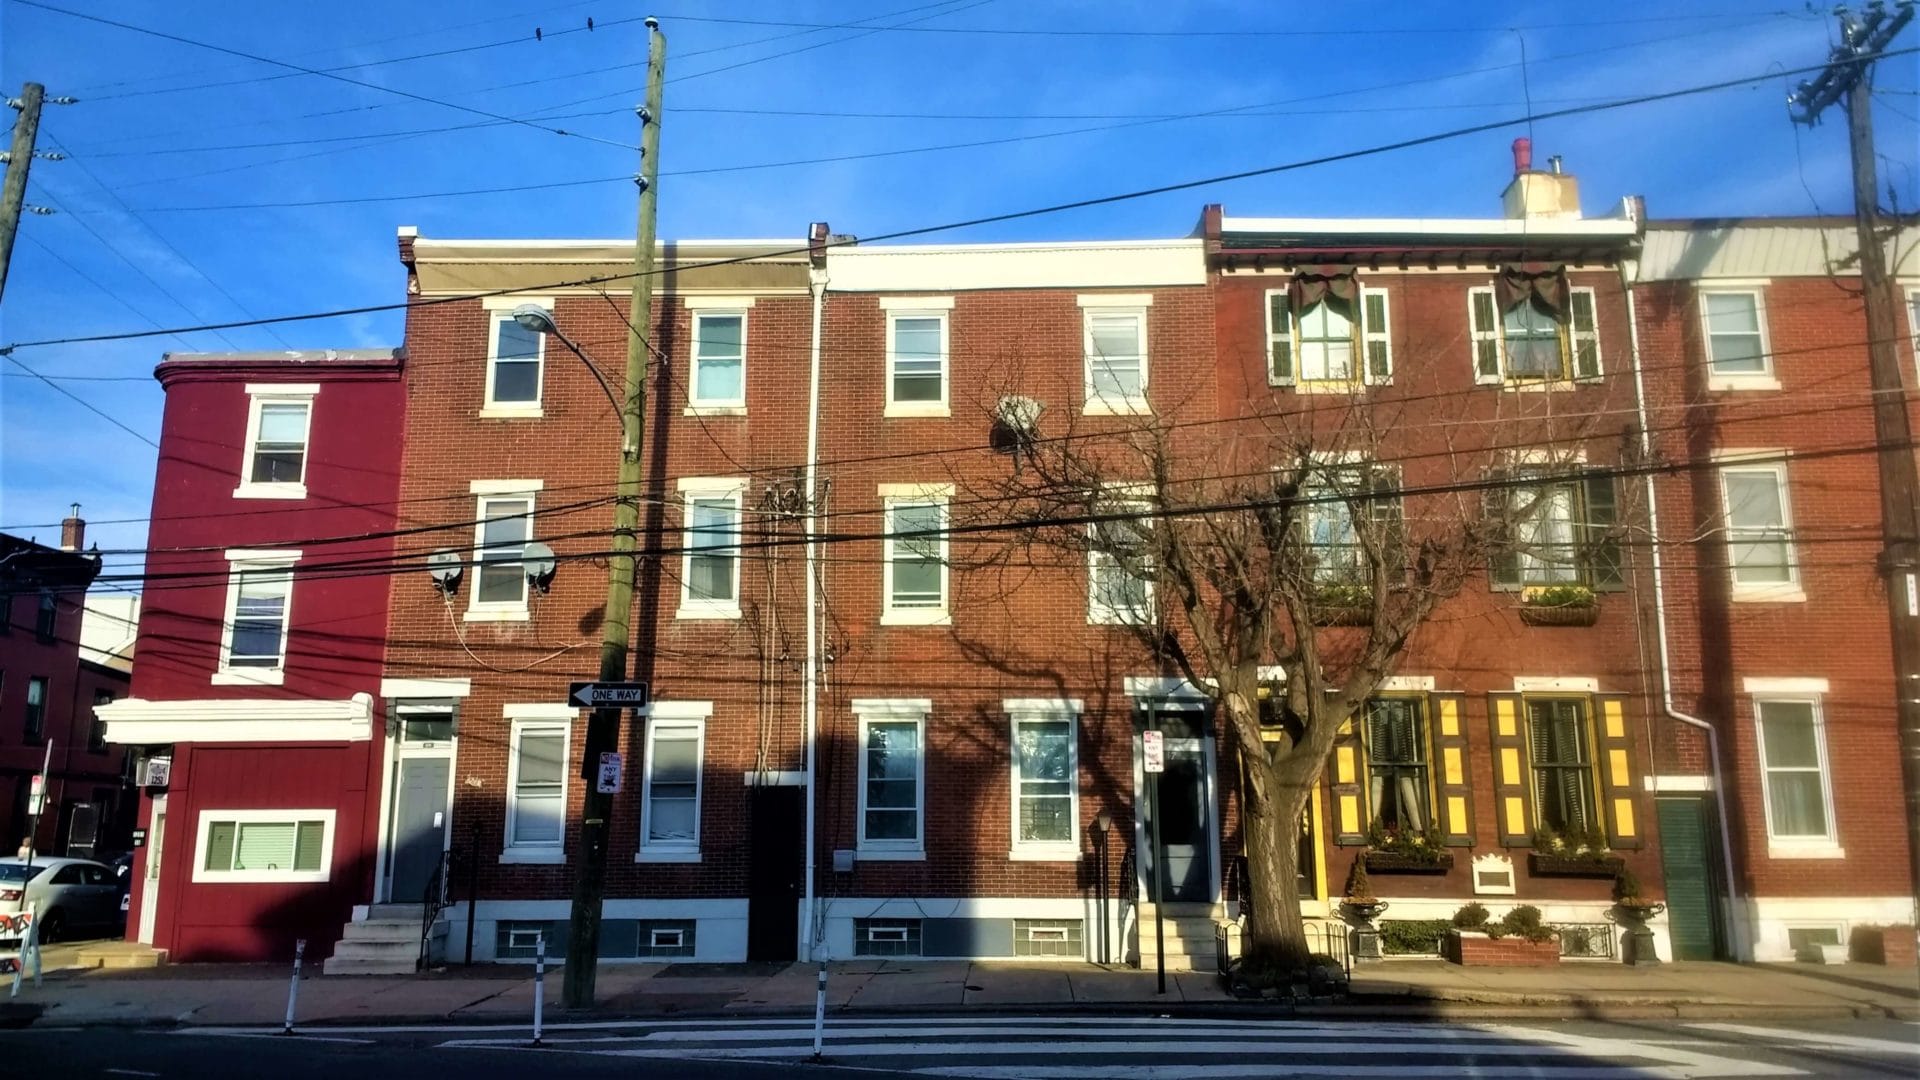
(28,940)
(820,1010)
(293,985)
(539,984)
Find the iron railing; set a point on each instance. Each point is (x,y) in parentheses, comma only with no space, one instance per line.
(433,900)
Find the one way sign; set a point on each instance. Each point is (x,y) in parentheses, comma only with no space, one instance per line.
(608,695)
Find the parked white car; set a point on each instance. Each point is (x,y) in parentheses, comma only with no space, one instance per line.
(71,895)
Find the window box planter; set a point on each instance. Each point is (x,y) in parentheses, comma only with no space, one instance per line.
(1546,864)
(1343,616)
(1389,862)
(1343,604)
(1893,946)
(1559,605)
(1469,948)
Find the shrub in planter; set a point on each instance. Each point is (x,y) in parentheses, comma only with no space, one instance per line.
(1520,939)
(1413,937)
(1472,916)
(1893,946)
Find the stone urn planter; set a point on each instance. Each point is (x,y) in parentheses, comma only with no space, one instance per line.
(1637,946)
(1360,914)
(1471,948)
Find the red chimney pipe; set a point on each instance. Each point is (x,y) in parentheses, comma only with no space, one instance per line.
(1522,155)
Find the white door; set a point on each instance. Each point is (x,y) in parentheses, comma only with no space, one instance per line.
(156,846)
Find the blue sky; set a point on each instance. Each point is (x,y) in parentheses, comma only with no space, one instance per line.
(160,223)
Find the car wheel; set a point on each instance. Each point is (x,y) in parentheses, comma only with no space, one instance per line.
(53,927)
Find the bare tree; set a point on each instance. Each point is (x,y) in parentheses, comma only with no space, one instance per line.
(1282,565)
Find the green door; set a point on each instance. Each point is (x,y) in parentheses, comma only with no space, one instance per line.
(1686,860)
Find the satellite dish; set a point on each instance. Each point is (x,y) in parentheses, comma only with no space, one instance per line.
(1016,425)
(537,558)
(446,567)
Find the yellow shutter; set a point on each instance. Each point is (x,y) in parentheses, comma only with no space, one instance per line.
(1507,723)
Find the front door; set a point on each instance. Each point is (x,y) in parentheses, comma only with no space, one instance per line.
(777,850)
(419,826)
(156,845)
(1686,861)
(1184,832)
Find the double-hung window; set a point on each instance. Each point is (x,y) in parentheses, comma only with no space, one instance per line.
(1560,749)
(1734,325)
(264,846)
(1793,759)
(719,378)
(1559,532)
(915,572)
(253,648)
(279,427)
(710,565)
(1326,341)
(537,783)
(1045,771)
(893,776)
(918,364)
(1120,563)
(1115,331)
(1331,344)
(1397,772)
(503,526)
(670,826)
(1759,532)
(1338,501)
(36,722)
(516,365)
(1528,343)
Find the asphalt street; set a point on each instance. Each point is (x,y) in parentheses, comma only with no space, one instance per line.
(1079,1047)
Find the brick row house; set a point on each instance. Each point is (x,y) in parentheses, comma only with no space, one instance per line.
(921,734)
(49,688)
(253,705)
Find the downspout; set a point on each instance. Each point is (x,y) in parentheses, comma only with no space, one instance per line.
(1735,926)
(810,676)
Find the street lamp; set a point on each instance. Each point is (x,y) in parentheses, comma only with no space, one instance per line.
(539,320)
(1102,822)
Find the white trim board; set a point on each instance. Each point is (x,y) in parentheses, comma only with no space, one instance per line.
(137,721)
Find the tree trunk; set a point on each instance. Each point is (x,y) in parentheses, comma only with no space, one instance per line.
(1276,938)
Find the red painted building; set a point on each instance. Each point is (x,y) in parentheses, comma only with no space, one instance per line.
(1778,765)
(47,696)
(254,703)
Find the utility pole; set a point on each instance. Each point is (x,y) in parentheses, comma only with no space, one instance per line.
(1849,74)
(603,728)
(13,194)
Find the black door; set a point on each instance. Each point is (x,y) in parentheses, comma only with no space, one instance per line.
(1686,861)
(778,860)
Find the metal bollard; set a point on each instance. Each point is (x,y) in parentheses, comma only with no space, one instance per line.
(820,1011)
(539,985)
(293,986)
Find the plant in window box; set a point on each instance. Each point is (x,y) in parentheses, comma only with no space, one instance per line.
(1559,605)
(1581,852)
(1407,850)
(1632,910)
(1343,603)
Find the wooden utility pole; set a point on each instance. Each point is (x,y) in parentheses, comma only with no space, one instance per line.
(603,728)
(13,193)
(1849,74)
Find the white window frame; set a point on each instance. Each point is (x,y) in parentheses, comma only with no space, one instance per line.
(893,496)
(1570,340)
(1119,498)
(1765,378)
(937,308)
(677,721)
(202,875)
(1825,846)
(1790,590)
(542,719)
(709,488)
(893,711)
(261,394)
(1040,710)
(1913,323)
(499,310)
(1104,306)
(486,492)
(273,562)
(696,405)
(1370,334)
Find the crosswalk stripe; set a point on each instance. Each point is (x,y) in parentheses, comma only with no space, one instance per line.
(1795,1037)
(1329,1048)
(926,1034)
(1283,1068)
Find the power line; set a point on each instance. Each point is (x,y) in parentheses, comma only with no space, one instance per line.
(1370,30)
(991,219)
(84,403)
(104,291)
(163,35)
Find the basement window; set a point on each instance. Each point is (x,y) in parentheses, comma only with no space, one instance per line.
(886,937)
(1047,937)
(665,939)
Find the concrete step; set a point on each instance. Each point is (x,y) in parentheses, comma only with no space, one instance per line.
(416,912)
(120,955)
(1181,909)
(382,930)
(370,949)
(356,965)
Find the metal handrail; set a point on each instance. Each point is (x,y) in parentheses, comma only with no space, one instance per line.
(433,900)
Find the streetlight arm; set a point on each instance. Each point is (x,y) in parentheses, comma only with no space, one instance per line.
(588,361)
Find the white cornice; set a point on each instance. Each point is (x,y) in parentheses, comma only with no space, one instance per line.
(140,722)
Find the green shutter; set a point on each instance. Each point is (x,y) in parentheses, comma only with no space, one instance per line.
(1504,565)
(219,846)
(1586,338)
(1486,337)
(306,848)
(1385,509)
(1279,339)
(1602,547)
(1375,336)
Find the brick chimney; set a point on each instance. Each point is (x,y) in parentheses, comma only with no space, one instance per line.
(73,530)
(1536,193)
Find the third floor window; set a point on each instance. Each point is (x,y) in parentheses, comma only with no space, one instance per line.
(1533,329)
(279,428)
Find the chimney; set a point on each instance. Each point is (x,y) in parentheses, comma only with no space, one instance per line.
(73,530)
(1536,194)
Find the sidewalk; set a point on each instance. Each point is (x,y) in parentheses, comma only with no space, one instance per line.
(257,994)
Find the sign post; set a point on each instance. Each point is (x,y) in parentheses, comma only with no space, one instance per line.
(1153,754)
